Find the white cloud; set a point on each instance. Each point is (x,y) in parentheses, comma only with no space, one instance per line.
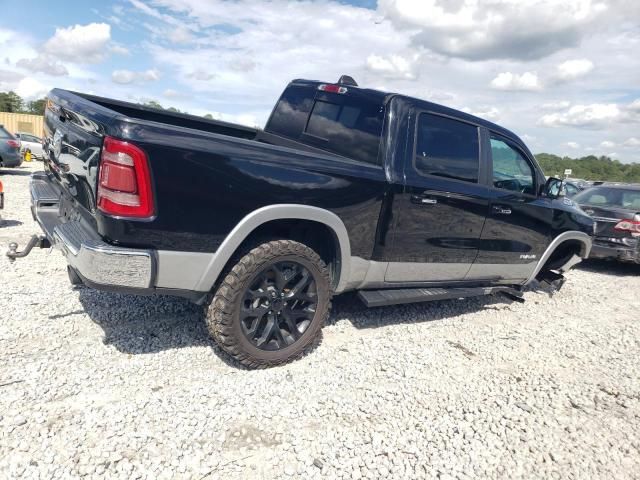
(573,145)
(490,113)
(475,29)
(528,81)
(393,66)
(560,105)
(80,43)
(632,142)
(572,69)
(119,49)
(596,115)
(128,76)
(607,144)
(29,88)
(180,35)
(44,64)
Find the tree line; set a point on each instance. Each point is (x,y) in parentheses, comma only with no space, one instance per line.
(590,167)
(13,103)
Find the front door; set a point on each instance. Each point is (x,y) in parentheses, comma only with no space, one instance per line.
(516,232)
(442,210)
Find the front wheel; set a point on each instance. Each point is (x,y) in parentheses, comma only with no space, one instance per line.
(272,304)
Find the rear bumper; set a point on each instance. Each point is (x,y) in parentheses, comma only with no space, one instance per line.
(10,160)
(620,253)
(96,261)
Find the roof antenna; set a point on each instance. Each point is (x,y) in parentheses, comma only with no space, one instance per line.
(347,80)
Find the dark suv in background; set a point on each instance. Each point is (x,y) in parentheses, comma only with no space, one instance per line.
(616,210)
(9,149)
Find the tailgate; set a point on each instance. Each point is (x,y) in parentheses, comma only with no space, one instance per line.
(74,129)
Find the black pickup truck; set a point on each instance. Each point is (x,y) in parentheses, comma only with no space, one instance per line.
(346,188)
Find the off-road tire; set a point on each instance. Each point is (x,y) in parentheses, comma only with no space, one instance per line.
(223,319)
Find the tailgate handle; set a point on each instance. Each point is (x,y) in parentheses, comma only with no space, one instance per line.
(500,210)
(421,200)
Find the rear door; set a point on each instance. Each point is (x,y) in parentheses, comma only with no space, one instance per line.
(516,232)
(442,211)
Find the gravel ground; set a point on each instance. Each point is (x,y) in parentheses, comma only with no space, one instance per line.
(105,385)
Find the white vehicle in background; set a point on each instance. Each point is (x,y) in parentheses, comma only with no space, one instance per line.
(30,144)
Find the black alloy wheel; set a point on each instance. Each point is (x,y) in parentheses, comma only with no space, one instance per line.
(278,305)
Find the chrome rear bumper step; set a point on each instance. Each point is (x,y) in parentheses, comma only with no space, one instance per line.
(380,298)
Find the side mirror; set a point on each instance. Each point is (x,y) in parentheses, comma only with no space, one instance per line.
(554,188)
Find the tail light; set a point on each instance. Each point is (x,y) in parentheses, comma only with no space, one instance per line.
(629,225)
(124,182)
(13,143)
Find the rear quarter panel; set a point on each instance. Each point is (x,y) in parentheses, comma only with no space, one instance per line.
(204,184)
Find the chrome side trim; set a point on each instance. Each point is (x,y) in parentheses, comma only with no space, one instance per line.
(181,270)
(277,212)
(563,237)
(426,271)
(100,262)
(507,271)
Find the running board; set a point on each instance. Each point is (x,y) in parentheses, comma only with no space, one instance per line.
(381,298)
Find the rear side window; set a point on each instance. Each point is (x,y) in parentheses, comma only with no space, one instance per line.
(4,133)
(610,197)
(290,115)
(447,148)
(346,127)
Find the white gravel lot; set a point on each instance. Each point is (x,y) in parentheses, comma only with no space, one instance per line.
(112,386)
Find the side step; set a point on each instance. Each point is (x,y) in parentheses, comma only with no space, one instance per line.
(380,298)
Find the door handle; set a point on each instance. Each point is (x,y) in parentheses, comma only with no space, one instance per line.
(420,200)
(501,210)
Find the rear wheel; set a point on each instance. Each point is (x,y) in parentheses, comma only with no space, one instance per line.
(271,306)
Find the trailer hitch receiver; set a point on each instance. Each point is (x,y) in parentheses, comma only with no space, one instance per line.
(39,241)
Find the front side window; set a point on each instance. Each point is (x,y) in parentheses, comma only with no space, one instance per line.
(447,148)
(511,170)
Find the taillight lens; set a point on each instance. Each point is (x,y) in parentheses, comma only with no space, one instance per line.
(124,183)
(332,88)
(13,143)
(629,225)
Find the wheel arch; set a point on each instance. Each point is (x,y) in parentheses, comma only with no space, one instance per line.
(574,242)
(272,214)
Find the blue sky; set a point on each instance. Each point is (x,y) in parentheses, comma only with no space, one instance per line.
(565,75)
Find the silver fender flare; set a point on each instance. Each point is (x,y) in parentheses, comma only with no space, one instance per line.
(267,214)
(563,237)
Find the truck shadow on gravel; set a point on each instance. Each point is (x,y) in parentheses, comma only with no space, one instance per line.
(139,325)
(348,307)
(16,172)
(145,325)
(608,267)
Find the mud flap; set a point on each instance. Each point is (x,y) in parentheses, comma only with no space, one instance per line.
(551,278)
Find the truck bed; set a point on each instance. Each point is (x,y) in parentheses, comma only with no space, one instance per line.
(206,174)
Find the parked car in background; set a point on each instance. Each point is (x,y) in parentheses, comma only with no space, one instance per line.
(616,209)
(573,186)
(9,149)
(30,144)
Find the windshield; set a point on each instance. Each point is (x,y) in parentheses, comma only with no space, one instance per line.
(610,197)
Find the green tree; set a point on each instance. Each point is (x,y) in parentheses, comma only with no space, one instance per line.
(209,116)
(590,168)
(36,107)
(153,104)
(10,102)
